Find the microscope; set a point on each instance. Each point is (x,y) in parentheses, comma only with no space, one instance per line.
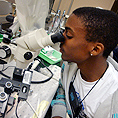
(23,50)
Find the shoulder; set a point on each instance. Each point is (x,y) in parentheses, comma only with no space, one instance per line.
(114,104)
(110,78)
(112,72)
(66,66)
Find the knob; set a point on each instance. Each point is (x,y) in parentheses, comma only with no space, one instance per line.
(5,52)
(28,55)
(3,96)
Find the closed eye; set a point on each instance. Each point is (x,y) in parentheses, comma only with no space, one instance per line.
(68,33)
(69,37)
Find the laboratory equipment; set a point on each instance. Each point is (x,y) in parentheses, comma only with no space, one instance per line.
(23,50)
(27,47)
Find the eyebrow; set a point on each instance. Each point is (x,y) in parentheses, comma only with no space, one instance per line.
(67,28)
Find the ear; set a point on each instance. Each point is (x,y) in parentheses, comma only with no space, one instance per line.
(97,49)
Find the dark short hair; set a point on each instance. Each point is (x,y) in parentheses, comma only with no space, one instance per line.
(101,26)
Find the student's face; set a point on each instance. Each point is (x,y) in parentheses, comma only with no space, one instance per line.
(75,48)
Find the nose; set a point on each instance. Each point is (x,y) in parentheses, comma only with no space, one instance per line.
(64,35)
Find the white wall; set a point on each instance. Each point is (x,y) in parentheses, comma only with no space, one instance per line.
(106,4)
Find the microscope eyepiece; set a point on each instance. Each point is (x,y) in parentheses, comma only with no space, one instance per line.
(57,37)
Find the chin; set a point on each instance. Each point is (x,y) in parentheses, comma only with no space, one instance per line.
(65,59)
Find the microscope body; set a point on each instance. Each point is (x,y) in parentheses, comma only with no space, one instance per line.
(26,49)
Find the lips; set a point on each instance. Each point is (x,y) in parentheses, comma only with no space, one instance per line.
(61,48)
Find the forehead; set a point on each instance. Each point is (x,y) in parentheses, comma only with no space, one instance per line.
(75,23)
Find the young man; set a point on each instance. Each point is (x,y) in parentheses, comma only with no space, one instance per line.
(88,78)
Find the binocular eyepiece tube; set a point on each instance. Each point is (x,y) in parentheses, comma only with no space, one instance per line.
(57,37)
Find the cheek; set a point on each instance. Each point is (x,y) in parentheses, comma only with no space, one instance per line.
(74,46)
(76,51)
(69,46)
(70,50)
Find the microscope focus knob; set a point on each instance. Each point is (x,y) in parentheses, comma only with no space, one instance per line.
(3,96)
(5,52)
(28,55)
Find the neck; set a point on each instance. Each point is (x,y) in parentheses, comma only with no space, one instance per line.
(93,71)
